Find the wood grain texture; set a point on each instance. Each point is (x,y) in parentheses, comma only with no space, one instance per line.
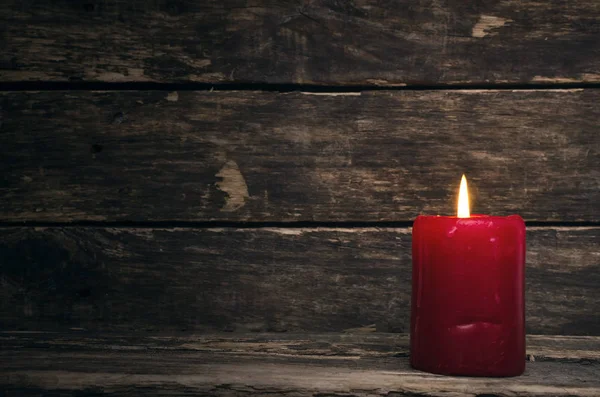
(296,365)
(366,42)
(252,156)
(346,345)
(264,279)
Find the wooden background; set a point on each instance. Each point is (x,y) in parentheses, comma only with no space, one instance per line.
(256,166)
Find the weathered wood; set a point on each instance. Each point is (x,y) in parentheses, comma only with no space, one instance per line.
(320,279)
(297,365)
(321,42)
(584,349)
(249,156)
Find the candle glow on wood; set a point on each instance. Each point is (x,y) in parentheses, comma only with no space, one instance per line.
(463,200)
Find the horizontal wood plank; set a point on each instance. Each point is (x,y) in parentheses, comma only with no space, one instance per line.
(321,279)
(346,345)
(298,365)
(263,156)
(364,42)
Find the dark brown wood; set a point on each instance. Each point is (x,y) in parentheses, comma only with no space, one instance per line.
(366,42)
(322,279)
(252,156)
(297,365)
(349,344)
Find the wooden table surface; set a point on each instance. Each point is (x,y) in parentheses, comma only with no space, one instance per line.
(333,364)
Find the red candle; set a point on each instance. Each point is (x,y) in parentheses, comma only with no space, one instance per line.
(468,309)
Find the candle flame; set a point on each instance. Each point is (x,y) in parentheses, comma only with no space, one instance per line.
(463,200)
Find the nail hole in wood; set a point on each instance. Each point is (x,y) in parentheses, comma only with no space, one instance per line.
(119,118)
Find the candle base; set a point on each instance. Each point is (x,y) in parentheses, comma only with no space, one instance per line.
(472,371)
(471,348)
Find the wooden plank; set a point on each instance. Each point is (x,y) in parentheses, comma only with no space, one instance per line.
(318,42)
(322,279)
(263,156)
(298,365)
(347,345)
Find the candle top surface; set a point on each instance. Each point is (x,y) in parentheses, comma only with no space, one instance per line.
(472,216)
(474,219)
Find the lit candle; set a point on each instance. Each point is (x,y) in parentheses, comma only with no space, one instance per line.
(468,309)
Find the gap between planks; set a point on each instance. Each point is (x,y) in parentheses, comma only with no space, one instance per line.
(304,225)
(283,88)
